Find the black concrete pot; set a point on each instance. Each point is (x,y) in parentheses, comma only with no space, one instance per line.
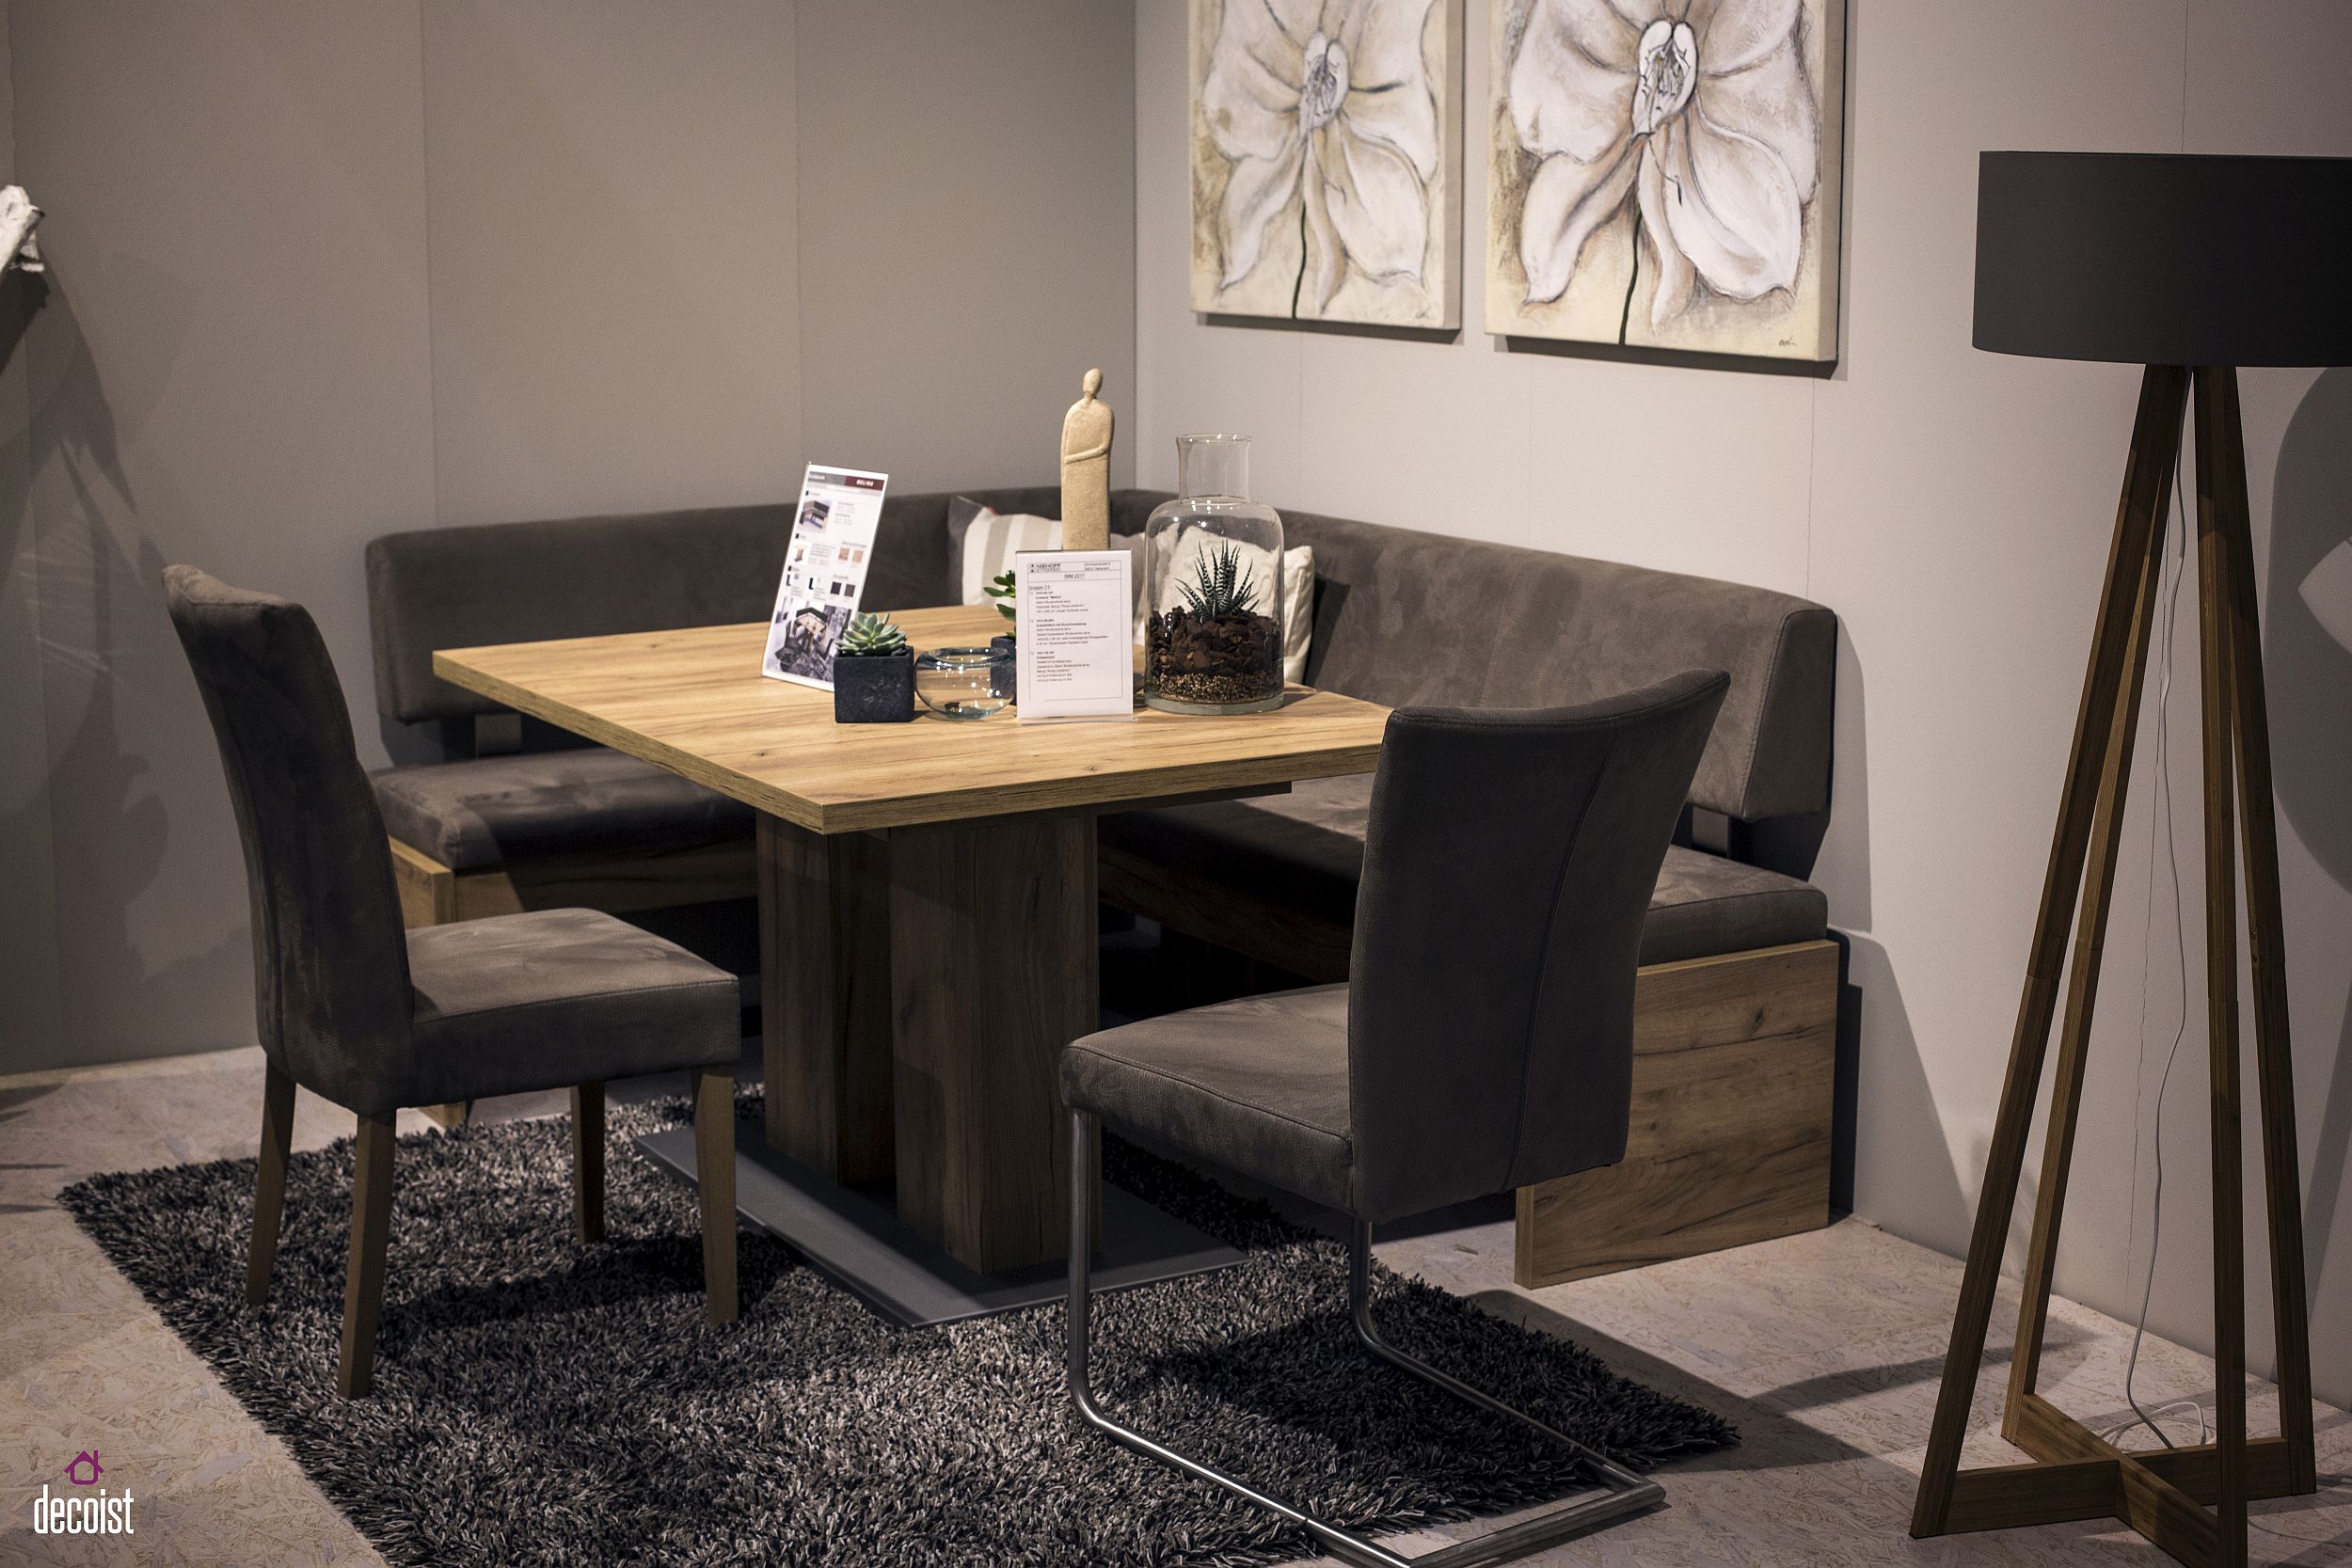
(873,689)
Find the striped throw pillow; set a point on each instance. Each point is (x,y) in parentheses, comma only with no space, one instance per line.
(983,542)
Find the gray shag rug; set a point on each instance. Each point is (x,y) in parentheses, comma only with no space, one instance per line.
(538,1401)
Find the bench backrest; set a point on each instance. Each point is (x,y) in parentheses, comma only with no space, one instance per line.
(1407,618)
(1401,617)
(477,584)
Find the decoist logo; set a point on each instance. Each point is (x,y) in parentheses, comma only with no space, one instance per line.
(83,1512)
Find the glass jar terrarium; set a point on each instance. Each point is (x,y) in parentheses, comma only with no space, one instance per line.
(1213,569)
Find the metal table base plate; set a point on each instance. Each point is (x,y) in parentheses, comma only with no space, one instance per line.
(860,1242)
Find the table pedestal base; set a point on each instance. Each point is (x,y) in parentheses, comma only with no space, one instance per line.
(858,1240)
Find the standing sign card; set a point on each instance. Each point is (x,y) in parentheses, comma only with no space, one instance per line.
(824,571)
(1076,642)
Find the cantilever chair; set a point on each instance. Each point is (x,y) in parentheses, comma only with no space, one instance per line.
(1483,1040)
(372,1019)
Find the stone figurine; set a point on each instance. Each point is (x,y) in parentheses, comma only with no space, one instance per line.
(1085,470)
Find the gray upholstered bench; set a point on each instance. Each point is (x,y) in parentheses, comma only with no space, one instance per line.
(502,821)
(1737,994)
(1737,1002)
(1310,846)
(493,829)
(489,828)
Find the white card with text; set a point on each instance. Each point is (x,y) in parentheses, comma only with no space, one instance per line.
(1076,636)
(824,571)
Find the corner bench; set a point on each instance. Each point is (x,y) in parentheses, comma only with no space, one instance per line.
(1737,999)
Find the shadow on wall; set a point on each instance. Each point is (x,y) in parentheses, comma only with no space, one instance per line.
(2307,660)
(1841,866)
(109,819)
(1902,1145)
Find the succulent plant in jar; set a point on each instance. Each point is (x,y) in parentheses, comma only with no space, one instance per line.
(1213,639)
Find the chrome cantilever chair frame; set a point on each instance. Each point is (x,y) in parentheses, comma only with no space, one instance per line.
(1622,1493)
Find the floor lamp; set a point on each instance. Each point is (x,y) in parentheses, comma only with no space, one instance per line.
(2191,266)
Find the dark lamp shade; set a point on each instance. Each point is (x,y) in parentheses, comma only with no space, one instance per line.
(2164,258)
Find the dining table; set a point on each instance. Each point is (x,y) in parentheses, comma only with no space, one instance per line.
(927,928)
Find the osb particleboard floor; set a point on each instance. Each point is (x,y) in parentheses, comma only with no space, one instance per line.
(1824,1347)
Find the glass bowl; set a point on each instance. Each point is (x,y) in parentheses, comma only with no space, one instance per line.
(963,682)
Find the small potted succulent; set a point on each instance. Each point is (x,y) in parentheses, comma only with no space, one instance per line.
(873,673)
(1005,590)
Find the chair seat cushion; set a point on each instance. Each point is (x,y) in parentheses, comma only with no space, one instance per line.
(1258,1086)
(495,810)
(554,997)
(1306,850)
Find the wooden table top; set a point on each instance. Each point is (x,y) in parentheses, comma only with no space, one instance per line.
(694,702)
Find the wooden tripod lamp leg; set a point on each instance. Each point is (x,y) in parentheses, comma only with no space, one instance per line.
(2082,986)
(2156,439)
(2266,940)
(2214,616)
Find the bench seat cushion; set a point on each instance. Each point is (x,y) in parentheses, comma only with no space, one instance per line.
(497,811)
(1306,850)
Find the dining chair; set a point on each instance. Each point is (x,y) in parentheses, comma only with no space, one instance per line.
(353,1008)
(1482,1041)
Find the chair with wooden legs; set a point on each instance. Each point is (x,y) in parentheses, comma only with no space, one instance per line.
(1483,1040)
(374,1018)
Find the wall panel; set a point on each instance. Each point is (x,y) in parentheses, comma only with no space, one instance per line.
(967,187)
(29,930)
(228,367)
(612,220)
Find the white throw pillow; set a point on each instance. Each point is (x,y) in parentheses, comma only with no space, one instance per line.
(991,539)
(985,541)
(1297,608)
(1298,611)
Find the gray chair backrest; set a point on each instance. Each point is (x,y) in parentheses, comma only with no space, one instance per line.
(1407,618)
(331,991)
(1508,867)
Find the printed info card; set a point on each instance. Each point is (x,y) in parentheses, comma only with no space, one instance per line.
(1077,634)
(824,571)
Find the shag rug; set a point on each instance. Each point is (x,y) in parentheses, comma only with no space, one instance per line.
(538,1401)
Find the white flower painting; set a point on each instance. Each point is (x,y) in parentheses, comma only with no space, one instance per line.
(1326,148)
(1665,174)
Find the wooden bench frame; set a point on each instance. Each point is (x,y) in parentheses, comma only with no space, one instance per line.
(1734,1085)
(620,882)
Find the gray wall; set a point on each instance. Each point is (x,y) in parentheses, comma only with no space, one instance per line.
(28,935)
(1953,508)
(322,272)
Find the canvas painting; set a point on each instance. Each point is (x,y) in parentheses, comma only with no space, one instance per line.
(1326,160)
(1666,174)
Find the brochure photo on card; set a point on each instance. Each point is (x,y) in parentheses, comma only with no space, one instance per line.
(1077,642)
(824,571)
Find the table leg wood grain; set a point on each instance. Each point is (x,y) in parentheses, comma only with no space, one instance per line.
(993,972)
(824,932)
